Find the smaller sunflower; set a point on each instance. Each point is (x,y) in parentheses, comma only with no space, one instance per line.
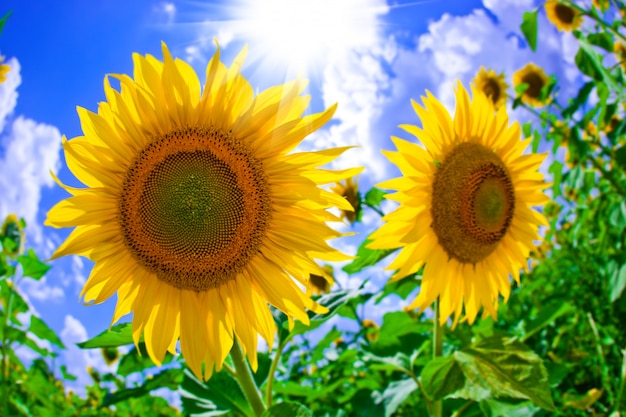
(12,237)
(612,124)
(4,70)
(564,17)
(601,4)
(350,191)
(493,85)
(321,284)
(536,79)
(591,131)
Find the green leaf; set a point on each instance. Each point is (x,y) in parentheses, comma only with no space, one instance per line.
(332,301)
(287,409)
(374,197)
(262,372)
(529,28)
(402,288)
(620,157)
(618,282)
(40,329)
(602,39)
(217,396)
(170,378)
(400,332)
(588,64)
(581,98)
(547,315)
(118,335)
(32,266)
(399,362)
(556,169)
(500,368)
(395,394)
(366,257)
(441,377)
(66,375)
(507,408)
(18,305)
(137,361)
(4,20)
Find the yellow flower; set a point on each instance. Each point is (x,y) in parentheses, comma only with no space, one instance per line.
(12,237)
(493,85)
(4,70)
(320,284)
(350,191)
(536,79)
(197,211)
(465,205)
(613,124)
(562,130)
(564,17)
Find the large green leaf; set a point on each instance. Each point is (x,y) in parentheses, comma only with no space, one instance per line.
(137,361)
(32,266)
(366,257)
(40,329)
(618,283)
(529,28)
(546,316)
(118,335)
(602,39)
(500,368)
(441,377)
(374,197)
(589,64)
(287,409)
(219,395)
(395,394)
(170,378)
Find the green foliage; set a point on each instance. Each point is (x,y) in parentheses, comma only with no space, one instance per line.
(529,28)
(118,335)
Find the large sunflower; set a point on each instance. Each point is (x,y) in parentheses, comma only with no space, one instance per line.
(197,212)
(465,205)
(564,17)
(493,85)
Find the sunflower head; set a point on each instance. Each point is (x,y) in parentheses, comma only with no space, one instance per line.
(493,85)
(535,79)
(564,17)
(620,53)
(591,130)
(349,189)
(12,236)
(465,201)
(602,5)
(198,211)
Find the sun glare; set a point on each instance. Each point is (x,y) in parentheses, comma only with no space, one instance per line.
(301,34)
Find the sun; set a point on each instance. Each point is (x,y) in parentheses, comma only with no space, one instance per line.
(301,35)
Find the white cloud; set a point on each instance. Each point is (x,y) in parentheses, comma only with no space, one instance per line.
(165,12)
(40,290)
(28,151)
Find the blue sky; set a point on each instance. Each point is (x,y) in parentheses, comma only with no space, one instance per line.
(380,55)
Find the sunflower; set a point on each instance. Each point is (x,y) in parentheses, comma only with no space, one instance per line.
(321,284)
(197,212)
(564,17)
(350,191)
(4,70)
(493,85)
(464,209)
(12,236)
(602,5)
(536,79)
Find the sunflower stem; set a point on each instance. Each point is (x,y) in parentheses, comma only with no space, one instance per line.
(245,379)
(437,351)
(270,377)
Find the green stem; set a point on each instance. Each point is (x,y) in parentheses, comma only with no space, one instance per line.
(606,381)
(270,376)
(620,393)
(437,351)
(245,379)
(5,342)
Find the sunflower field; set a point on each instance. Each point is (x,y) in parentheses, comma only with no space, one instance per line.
(213,231)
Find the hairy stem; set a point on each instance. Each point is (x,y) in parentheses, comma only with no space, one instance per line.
(245,379)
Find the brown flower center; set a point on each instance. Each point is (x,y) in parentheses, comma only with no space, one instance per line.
(473,202)
(194,208)
(535,84)
(565,13)
(491,88)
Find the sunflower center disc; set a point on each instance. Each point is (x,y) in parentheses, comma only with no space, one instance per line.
(535,84)
(492,90)
(564,13)
(473,202)
(194,208)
